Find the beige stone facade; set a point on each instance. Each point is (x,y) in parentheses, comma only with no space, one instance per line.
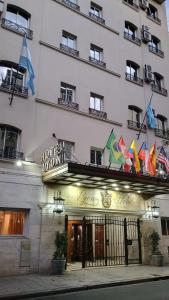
(79,51)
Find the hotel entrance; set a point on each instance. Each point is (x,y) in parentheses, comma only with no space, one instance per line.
(105,240)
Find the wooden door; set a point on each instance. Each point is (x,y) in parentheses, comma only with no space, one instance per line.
(99,241)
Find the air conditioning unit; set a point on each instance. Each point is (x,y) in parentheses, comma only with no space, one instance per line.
(146,36)
(1,6)
(144,4)
(148,74)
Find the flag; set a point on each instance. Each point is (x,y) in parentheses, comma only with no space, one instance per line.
(133,151)
(115,155)
(126,154)
(26,62)
(150,117)
(152,161)
(163,159)
(143,154)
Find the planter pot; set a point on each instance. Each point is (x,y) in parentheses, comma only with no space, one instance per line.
(58,266)
(157,260)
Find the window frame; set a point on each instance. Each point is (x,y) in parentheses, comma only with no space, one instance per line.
(18,11)
(166,220)
(69,37)
(96,150)
(95,97)
(25,232)
(9,129)
(67,87)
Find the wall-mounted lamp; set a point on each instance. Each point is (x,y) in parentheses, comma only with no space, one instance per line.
(155,210)
(58,203)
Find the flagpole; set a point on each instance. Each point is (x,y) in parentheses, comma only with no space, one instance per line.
(138,134)
(14,85)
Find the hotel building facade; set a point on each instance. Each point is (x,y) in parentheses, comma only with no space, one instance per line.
(97,66)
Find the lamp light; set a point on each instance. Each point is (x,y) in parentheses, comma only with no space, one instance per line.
(58,203)
(155,211)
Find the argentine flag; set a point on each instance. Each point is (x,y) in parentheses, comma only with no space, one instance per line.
(26,62)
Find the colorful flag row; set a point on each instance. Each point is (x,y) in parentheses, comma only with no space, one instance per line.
(130,158)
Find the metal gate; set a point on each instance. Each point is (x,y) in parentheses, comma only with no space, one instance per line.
(105,241)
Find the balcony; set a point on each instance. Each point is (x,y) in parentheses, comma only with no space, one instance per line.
(132,38)
(71,4)
(162,133)
(17,28)
(136,126)
(95,61)
(159,90)
(96,18)
(69,104)
(11,154)
(134,79)
(156,51)
(97,113)
(69,50)
(18,90)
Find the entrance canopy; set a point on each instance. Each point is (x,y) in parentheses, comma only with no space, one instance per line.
(102,177)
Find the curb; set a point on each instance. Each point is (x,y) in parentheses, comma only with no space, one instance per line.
(82,288)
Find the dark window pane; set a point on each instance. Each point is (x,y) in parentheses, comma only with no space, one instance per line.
(92,156)
(98,157)
(163,227)
(167,227)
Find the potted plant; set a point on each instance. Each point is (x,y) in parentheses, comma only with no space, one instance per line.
(59,260)
(156,256)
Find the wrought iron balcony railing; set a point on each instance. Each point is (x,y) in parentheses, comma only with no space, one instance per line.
(153,18)
(17,28)
(162,133)
(97,62)
(71,4)
(132,38)
(69,50)
(133,78)
(159,90)
(136,125)
(18,89)
(156,51)
(96,18)
(11,154)
(68,103)
(98,113)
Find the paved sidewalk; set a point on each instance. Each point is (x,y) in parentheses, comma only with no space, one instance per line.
(20,287)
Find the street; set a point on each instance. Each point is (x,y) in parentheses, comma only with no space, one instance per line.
(145,291)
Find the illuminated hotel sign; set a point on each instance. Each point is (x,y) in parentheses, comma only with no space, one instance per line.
(52,157)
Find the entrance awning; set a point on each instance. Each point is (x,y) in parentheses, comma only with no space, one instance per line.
(90,176)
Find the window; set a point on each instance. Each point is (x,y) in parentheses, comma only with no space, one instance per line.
(96,55)
(165,226)
(135,118)
(154,46)
(18,20)
(12,222)
(68,149)
(69,43)
(69,40)
(131,2)
(161,122)
(9,142)
(96,156)
(158,80)
(152,13)
(67,92)
(96,12)
(96,102)
(132,72)
(130,32)
(12,76)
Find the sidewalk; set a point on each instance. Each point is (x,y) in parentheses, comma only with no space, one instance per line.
(18,287)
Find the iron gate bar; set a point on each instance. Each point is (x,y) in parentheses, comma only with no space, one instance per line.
(139,241)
